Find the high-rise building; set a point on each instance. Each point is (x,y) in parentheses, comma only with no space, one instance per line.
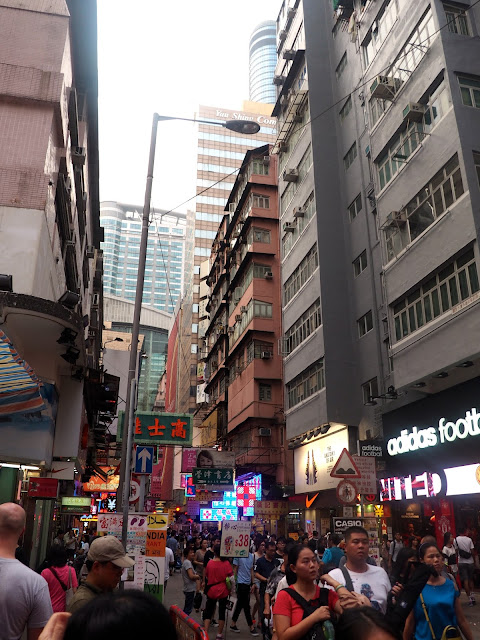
(164,268)
(220,154)
(379,156)
(262,61)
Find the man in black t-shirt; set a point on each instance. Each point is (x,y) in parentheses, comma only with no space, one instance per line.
(263,568)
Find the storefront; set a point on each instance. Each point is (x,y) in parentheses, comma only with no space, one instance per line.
(432,453)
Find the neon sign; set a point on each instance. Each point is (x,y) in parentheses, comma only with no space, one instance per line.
(207,515)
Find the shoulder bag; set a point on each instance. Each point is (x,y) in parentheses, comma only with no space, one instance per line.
(449,633)
(321,630)
(67,588)
(466,555)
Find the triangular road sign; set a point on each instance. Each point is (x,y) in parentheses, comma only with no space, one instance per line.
(345,467)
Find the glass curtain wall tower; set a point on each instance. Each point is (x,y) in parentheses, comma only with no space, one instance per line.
(262,61)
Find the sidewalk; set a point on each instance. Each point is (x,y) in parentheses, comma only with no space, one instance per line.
(174,595)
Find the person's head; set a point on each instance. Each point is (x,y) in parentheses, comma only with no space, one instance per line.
(57,556)
(204,544)
(189,553)
(260,545)
(414,543)
(216,550)
(305,541)
(273,538)
(335,540)
(430,554)
(204,459)
(428,540)
(466,531)
(288,547)
(106,559)
(365,623)
(12,524)
(302,564)
(281,542)
(410,527)
(402,565)
(447,539)
(60,534)
(398,536)
(356,545)
(270,548)
(385,537)
(121,615)
(315,534)
(312,544)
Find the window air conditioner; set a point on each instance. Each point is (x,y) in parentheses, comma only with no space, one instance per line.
(264,432)
(282,35)
(414,112)
(397,218)
(238,317)
(231,207)
(290,175)
(78,156)
(231,330)
(278,80)
(237,294)
(243,309)
(268,275)
(266,159)
(282,147)
(299,212)
(266,355)
(90,251)
(289,226)
(289,54)
(383,87)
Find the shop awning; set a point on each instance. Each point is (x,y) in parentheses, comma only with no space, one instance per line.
(19,386)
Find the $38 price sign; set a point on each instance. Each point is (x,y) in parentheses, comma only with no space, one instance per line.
(242,540)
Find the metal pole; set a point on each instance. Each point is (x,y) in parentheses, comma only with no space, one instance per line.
(132,367)
(128,461)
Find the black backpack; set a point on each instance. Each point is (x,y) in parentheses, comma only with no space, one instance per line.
(309,606)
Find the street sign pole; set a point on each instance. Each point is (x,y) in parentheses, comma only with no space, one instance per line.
(143,484)
(128,462)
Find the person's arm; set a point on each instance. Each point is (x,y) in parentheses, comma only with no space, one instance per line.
(192,575)
(327,556)
(285,631)
(348,599)
(462,621)
(266,608)
(33,634)
(409,629)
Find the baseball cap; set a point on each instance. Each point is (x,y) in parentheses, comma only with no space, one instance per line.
(109,549)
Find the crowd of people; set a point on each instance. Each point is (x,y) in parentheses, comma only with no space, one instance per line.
(317,588)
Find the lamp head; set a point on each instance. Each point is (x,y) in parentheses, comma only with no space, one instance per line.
(242,126)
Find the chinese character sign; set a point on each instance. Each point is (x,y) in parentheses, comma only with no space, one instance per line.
(213,477)
(160,428)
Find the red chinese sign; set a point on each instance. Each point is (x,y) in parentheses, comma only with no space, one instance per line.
(42,488)
(160,428)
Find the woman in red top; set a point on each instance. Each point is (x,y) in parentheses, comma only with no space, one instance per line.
(59,575)
(216,573)
(288,620)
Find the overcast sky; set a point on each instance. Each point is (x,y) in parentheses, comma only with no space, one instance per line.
(168,57)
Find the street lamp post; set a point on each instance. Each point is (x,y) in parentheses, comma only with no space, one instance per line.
(239,126)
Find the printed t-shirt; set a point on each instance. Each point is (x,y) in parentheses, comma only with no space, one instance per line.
(373,583)
(440,603)
(244,573)
(285,605)
(216,573)
(57,593)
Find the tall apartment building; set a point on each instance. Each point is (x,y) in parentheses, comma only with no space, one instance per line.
(243,370)
(220,154)
(164,268)
(262,61)
(379,139)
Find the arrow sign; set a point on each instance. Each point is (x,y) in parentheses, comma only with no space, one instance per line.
(345,467)
(143,460)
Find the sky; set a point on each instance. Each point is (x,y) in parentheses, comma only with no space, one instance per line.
(166,57)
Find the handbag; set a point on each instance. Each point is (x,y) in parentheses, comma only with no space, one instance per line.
(69,593)
(450,632)
(466,555)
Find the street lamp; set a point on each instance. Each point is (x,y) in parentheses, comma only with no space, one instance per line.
(114,340)
(239,126)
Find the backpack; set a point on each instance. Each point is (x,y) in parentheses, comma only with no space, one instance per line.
(317,632)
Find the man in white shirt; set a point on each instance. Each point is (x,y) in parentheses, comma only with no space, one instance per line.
(359,576)
(466,564)
(169,562)
(394,550)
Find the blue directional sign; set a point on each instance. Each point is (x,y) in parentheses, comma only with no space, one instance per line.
(143,459)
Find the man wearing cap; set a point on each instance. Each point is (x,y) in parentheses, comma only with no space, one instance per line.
(106,559)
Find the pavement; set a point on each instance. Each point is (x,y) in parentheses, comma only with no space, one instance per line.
(174,595)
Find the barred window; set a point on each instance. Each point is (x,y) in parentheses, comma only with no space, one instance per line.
(256,348)
(261,235)
(306,384)
(450,286)
(300,275)
(290,237)
(350,156)
(360,264)
(432,201)
(457,21)
(303,327)
(264,392)
(365,324)
(470,90)
(355,208)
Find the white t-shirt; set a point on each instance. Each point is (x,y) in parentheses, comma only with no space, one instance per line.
(466,544)
(283,584)
(169,557)
(373,583)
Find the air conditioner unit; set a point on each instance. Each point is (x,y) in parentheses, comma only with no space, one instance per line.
(78,156)
(282,35)
(95,299)
(290,175)
(90,251)
(243,240)
(232,206)
(266,355)
(291,13)
(268,275)
(282,147)
(289,226)
(413,112)
(231,330)
(397,218)
(264,432)
(235,234)
(237,294)
(238,317)
(278,80)
(68,183)
(297,118)
(289,54)
(299,212)
(243,309)
(266,159)
(383,87)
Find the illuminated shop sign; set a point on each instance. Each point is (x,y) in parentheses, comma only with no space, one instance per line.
(447,431)
(455,481)
(207,515)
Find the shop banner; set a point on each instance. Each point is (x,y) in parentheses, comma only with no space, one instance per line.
(235,541)
(42,488)
(98,483)
(271,509)
(314,461)
(340,525)
(206,459)
(160,428)
(214,478)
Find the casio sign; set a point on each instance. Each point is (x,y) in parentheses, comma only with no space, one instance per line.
(340,524)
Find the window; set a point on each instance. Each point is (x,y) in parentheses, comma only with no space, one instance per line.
(290,237)
(196,270)
(341,65)
(432,201)
(194,348)
(302,328)
(365,324)
(476,159)
(260,167)
(350,156)
(369,390)
(262,202)
(355,208)
(194,308)
(264,392)
(379,31)
(456,20)
(194,328)
(262,309)
(470,90)
(292,187)
(345,110)
(261,235)
(300,275)
(450,286)
(360,264)
(306,384)
(255,349)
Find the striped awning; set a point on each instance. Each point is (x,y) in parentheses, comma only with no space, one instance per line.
(19,386)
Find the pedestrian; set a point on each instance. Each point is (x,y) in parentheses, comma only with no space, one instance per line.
(449,552)
(24,596)
(263,568)
(358,575)
(438,606)
(71,543)
(243,572)
(59,538)
(365,623)
(385,552)
(190,579)
(304,604)
(394,550)
(169,564)
(332,556)
(106,559)
(277,575)
(217,573)
(60,578)
(466,564)
(199,568)
(259,546)
(281,542)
